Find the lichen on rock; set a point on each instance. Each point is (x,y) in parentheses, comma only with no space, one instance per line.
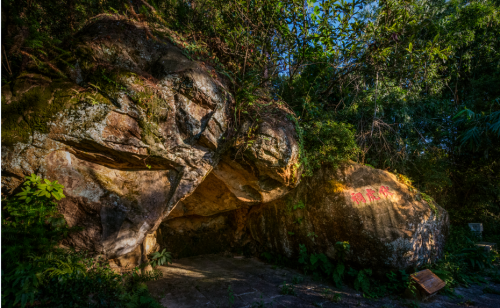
(136,131)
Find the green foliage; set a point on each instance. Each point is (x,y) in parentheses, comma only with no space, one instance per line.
(479,126)
(160,258)
(430,201)
(287,289)
(64,278)
(35,271)
(421,94)
(327,142)
(139,298)
(320,264)
(298,220)
(463,263)
(230,296)
(133,279)
(312,235)
(295,206)
(398,85)
(362,280)
(34,204)
(408,86)
(341,248)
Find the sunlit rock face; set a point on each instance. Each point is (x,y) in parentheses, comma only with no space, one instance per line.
(264,167)
(141,137)
(132,134)
(386,224)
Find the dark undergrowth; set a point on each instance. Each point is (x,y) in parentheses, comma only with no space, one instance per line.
(37,273)
(463,264)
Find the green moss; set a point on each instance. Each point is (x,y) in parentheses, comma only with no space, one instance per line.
(155,109)
(430,202)
(32,111)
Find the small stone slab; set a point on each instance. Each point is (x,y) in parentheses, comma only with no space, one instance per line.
(487,246)
(428,282)
(476,227)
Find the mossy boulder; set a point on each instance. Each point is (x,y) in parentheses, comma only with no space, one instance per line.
(131,133)
(29,104)
(387,224)
(135,129)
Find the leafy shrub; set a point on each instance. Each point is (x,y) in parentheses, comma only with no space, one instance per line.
(34,271)
(139,298)
(320,264)
(463,262)
(34,204)
(287,289)
(160,258)
(362,279)
(327,142)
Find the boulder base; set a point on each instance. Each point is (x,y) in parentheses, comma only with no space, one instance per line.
(387,225)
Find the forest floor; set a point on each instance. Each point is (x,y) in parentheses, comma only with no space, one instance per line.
(219,281)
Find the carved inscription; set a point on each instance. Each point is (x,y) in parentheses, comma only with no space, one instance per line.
(370,194)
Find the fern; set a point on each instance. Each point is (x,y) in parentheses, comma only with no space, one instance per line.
(362,280)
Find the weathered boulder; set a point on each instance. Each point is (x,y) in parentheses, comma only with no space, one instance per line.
(130,135)
(264,164)
(386,224)
(129,149)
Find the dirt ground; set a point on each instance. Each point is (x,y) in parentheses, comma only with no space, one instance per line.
(219,281)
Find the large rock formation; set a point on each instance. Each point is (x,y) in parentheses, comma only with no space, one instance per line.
(140,138)
(387,224)
(134,132)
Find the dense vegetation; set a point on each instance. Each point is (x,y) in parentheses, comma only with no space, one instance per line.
(37,272)
(410,86)
(462,265)
(407,86)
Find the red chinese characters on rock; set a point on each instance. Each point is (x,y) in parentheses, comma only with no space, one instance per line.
(358,197)
(384,190)
(370,193)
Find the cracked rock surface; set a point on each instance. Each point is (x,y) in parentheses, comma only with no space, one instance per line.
(142,136)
